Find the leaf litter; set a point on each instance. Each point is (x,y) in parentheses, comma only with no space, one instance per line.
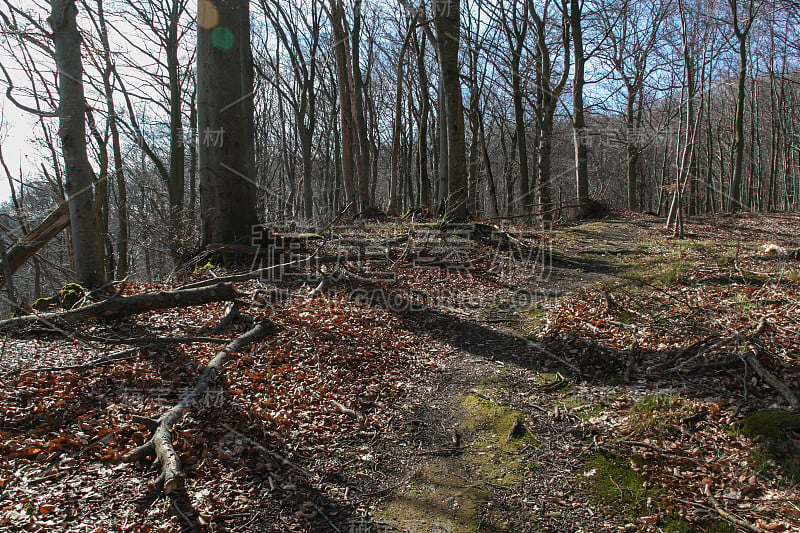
(316,427)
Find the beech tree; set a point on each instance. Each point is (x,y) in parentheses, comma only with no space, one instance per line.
(89,258)
(447,20)
(225,121)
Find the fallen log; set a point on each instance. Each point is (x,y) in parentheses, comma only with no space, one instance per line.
(122,306)
(28,245)
(160,444)
(312,260)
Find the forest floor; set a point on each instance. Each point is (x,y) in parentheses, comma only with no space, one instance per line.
(599,377)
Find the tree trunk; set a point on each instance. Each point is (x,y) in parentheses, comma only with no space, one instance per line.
(122,306)
(522,135)
(738,128)
(176,178)
(579,121)
(394,179)
(86,237)
(448,28)
(422,134)
(116,148)
(227,190)
(359,116)
(345,100)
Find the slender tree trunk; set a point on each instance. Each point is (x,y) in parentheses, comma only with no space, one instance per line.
(345,102)
(579,120)
(631,153)
(177,151)
(359,117)
(86,237)
(394,180)
(738,129)
(192,140)
(448,28)
(522,134)
(422,134)
(494,212)
(116,147)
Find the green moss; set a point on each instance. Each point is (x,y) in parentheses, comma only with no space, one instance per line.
(773,428)
(536,317)
(438,498)
(627,317)
(615,484)
(450,493)
(499,435)
(47,304)
(310,236)
(742,301)
(203,268)
(772,425)
(70,294)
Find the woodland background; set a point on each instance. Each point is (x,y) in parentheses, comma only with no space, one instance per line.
(646,106)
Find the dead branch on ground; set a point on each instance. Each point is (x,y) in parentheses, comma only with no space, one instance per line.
(160,444)
(122,306)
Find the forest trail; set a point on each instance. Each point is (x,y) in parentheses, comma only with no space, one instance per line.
(598,377)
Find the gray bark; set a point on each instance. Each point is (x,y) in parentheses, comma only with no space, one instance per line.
(227,189)
(86,238)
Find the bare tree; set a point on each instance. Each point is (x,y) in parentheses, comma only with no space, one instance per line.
(227,182)
(741,24)
(71,110)
(549,94)
(298,31)
(446,17)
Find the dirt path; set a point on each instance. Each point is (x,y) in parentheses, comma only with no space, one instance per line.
(489,444)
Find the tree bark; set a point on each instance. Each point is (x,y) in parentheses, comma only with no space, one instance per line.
(227,189)
(86,238)
(579,120)
(27,246)
(340,48)
(448,30)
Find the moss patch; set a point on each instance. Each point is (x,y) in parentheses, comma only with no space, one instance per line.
(450,493)
(68,295)
(439,497)
(774,429)
(203,268)
(499,435)
(614,484)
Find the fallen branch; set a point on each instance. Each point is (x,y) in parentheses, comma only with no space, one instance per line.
(125,355)
(232,314)
(151,340)
(122,355)
(735,520)
(319,289)
(773,381)
(160,443)
(311,260)
(120,306)
(27,246)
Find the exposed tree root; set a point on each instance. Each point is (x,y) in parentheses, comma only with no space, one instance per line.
(160,444)
(122,306)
